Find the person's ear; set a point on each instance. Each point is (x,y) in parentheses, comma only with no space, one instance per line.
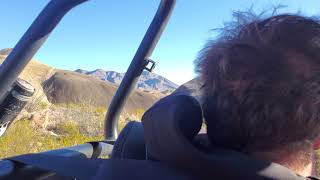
(316,143)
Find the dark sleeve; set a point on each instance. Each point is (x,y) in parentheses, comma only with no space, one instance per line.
(313,178)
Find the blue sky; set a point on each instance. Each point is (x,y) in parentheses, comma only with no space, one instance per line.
(106,33)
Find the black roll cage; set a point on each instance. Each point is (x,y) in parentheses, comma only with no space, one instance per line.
(30,43)
(45,23)
(35,37)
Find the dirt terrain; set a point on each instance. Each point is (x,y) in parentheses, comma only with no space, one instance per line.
(71,87)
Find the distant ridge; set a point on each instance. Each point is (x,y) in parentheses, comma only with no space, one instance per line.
(71,87)
(57,86)
(5,51)
(147,81)
(191,88)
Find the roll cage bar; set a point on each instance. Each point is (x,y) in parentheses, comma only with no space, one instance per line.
(35,37)
(30,43)
(45,23)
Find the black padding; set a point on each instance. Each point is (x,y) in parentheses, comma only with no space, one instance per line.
(173,118)
(97,169)
(169,141)
(115,169)
(180,113)
(130,143)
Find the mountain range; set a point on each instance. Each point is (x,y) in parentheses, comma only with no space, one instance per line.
(58,86)
(148,82)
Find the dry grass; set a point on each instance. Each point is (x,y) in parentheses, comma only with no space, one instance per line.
(90,119)
(84,124)
(36,73)
(73,123)
(21,138)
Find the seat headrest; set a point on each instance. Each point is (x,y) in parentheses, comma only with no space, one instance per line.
(181,113)
(172,123)
(130,143)
(177,116)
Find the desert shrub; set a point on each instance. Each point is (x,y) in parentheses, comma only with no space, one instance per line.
(21,138)
(139,113)
(39,100)
(124,119)
(37,103)
(70,135)
(100,111)
(89,118)
(73,123)
(121,123)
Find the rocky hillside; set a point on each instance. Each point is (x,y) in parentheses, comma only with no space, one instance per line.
(5,51)
(35,73)
(147,82)
(54,86)
(71,87)
(192,88)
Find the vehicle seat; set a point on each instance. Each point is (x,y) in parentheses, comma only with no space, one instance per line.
(169,129)
(130,143)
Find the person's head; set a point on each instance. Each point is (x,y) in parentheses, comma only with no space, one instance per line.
(261,91)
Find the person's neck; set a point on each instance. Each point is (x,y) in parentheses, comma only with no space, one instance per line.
(308,171)
(306,166)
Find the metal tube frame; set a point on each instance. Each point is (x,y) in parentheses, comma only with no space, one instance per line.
(41,28)
(31,42)
(138,64)
(87,150)
(44,24)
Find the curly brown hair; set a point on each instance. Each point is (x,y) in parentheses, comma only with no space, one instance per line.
(262,83)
